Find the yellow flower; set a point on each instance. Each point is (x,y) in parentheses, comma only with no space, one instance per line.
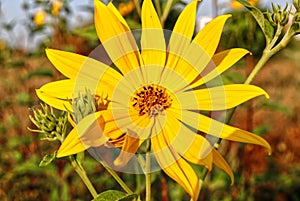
(126,8)
(39,17)
(153,93)
(236,5)
(56,6)
(2,44)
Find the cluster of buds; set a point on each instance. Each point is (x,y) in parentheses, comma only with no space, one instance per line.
(296,18)
(279,17)
(54,127)
(86,104)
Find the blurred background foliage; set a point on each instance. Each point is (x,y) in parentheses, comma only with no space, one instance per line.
(258,177)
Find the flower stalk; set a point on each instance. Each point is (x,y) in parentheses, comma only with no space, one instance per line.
(117,178)
(82,173)
(166,12)
(279,20)
(148,178)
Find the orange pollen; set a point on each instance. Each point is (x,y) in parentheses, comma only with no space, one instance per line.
(151,99)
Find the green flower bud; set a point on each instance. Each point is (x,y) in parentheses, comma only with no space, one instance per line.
(279,17)
(48,123)
(83,105)
(86,104)
(295,28)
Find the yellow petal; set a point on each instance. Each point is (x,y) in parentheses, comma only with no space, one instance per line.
(221,130)
(182,34)
(221,62)
(85,72)
(71,145)
(199,152)
(175,166)
(222,164)
(111,129)
(187,143)
(152,41)
(203,47)
(219,98)
(61,89)
(208,38)
(129,148)
(57,94)
(87,133)
(118,14)
(185,23)
(70,64)
(116,38)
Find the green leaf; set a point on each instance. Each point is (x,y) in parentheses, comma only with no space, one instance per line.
(261,130)
(48,158)
(264,24)
(16,63)
(41,72)
(24,99)
(276,107)
(88,33)
(132,197)
(113,195)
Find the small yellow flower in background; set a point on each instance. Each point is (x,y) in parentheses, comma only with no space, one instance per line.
(151,97)
(236,5)
(126,8)
(39,17)
(56,7)
(2,44)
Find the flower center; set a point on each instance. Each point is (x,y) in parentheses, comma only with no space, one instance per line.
(151,99)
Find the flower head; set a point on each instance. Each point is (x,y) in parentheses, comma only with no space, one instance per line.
(2,44)
(236,5)
(39,17)
(154,93)
(56,7)
(126,8)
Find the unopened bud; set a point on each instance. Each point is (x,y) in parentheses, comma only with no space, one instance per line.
(48,123)
(296,24)
(279,17)
(86,104)
(83,105)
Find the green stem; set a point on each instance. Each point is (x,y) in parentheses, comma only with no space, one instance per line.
(268,52)
(138,7)
(158,9)
(117,178)
(263,60)
(166,12)
(81,172)
(283,43)
(276,36)
(148,178)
